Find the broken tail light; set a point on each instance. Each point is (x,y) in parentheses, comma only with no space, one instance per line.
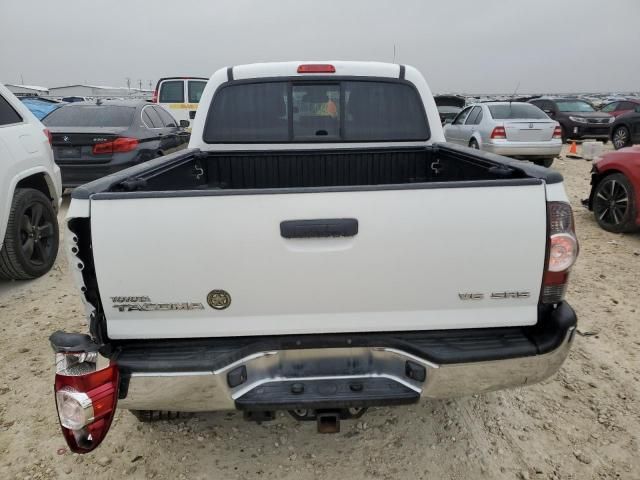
(562,252)
(86,399)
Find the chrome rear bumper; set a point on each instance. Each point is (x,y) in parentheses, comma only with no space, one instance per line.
(209,390)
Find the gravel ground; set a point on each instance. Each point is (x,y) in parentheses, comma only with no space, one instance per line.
(583,423)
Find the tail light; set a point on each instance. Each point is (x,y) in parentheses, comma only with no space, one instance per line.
(154,97)
(86,399)
(562,252)
(557,132)
(47,133)
(316,68)
(119,145)
(498,133)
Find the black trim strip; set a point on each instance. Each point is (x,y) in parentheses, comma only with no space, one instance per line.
(402,72)
(230,74)
(518,182)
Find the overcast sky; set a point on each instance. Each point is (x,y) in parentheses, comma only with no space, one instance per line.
(475,46)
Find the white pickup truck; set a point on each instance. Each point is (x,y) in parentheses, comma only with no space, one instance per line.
(318,249)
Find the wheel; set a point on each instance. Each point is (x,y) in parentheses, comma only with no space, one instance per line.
(545,162)
(147,416)
(31,241)
(613,204)
(620,137)
(474,144)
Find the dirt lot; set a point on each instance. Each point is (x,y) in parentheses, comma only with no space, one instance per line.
(583,423)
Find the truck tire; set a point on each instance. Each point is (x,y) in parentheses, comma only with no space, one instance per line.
(31,241)
(613,213)
(147,416)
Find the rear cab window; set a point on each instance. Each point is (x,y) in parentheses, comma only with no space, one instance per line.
(316,111)
(8,114)
(90,116)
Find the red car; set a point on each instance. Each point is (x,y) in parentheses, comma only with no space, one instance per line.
(621,106)
(615,190)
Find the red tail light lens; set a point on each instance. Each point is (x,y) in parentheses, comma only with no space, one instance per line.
(561,254)
(557,132)
(47,133)
(154,97)
(119,145)
(316,68)
(86,406)
(498,132)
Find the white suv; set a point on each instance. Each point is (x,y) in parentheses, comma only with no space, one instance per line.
(31,193)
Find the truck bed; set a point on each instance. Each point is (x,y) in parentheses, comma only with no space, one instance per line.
(408,167)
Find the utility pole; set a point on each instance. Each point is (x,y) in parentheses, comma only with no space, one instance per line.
(21,80)
(140,85)
(128,83)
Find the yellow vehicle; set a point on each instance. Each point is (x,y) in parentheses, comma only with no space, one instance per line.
(180,96)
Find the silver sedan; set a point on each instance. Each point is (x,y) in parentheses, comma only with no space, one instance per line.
(515,129)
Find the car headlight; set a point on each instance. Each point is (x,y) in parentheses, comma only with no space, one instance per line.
(578,119)
(612,119)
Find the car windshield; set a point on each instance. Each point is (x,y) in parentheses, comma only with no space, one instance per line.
(90,116)
(516,110)
(574,106)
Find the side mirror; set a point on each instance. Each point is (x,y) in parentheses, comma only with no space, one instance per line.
(549,112)
(184,123)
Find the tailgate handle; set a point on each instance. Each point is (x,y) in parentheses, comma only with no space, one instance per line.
(320,228)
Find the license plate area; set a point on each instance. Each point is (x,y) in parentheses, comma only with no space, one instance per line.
(68,152)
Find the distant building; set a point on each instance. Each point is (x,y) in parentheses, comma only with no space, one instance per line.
(27,90)
(95,91)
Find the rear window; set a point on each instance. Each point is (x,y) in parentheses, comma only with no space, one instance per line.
(90,116)
(574,106)
(172,92)
(516,110)
(195,90)
(8,115)
(348,111)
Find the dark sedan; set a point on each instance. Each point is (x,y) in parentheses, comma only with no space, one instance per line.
(626,129)
(94,139)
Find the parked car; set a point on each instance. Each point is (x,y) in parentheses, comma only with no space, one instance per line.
(619,107)
(625,130)
(615,190)
(449,106)
(578,118)
(180,95)
(516,129)
(319,249)
(94,139)
(40,107)
(31,192)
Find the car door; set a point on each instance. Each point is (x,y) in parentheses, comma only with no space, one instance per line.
(470,125)
(634,124)
(452,131)
(172,138)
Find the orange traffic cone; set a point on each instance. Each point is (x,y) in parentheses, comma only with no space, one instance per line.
(573,151)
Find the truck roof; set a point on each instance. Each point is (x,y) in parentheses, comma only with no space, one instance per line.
(342,68)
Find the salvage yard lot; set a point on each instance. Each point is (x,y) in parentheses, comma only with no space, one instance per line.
(583,423)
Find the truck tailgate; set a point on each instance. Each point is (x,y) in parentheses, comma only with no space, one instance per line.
(419,260)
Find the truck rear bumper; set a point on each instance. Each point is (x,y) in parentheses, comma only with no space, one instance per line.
(343,371)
